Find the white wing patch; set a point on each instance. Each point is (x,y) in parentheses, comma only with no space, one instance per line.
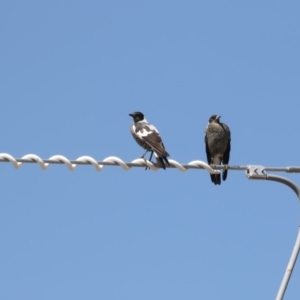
(143,132)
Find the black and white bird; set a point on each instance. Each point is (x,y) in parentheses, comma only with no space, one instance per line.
(217,144)
(148,137)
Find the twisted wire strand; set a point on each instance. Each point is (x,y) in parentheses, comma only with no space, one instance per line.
(99,165)
(116,161)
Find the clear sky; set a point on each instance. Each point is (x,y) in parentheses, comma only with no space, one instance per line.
(71,72)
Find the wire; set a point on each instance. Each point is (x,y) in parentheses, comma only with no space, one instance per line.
(139,162)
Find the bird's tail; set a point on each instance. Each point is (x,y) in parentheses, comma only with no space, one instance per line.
(161,161)
(224,174)
(216,178)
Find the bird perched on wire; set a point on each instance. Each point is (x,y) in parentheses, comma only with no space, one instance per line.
(147,136)
(217,144)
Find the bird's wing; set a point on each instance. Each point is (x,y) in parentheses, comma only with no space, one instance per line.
(226,128)
(227,151)
(150,135)
(208,155)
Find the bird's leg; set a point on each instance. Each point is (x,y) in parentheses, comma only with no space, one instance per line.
(144,154)
(149,160)
(151,155)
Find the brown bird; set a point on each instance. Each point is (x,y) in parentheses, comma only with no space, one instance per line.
(217,144)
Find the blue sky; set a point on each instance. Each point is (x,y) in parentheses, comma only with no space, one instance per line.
(71,72)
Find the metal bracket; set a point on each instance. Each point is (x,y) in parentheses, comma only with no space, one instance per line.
(259,172)
(256,172)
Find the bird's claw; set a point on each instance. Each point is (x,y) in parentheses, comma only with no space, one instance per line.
(147,166)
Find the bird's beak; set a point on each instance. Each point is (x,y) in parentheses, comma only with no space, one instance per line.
(218,118)
(131,115)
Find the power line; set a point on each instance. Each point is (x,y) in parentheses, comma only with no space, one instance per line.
(139,162)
